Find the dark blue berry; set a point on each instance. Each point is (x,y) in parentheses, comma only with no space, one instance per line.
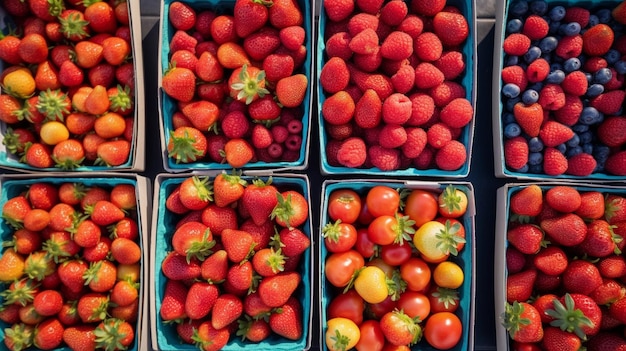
(612,56)
(593,20)
(570,29)
(602,76)
(590,116)
(511,61)
(555,77)
(573,151)
(572,64)
(535,144)
(535,158)
(587,148)
(589,77)
(548,44)
(535,169)
(524,169)
(533,53)
(512,130)
(562,148)
(573,141)
(514,26)
(594,90)
(510,90)
(553,27)
(530,96)
(539,7)
(518,8)
(557,13)
(535,86)
(510,103)
(508,117)
(604,15)
(601,153)
(620,67)
(580,128)
(585,137)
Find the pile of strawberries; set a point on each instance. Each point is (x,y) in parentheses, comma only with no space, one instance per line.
(71,267)
(391,92)
(236,83)
(68,83)
(235,265)
(566,272)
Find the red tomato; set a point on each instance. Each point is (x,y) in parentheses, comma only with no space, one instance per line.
(372,338)
(443,300)
(396,254)
(382,230)
(378,310)
(384,266)
(455,227)
(365,217)
(339,236)
(414,304)
(443,330)
(416,273)
(344,204)
(421,206)
(382,200)
(340,267)
(363,244)
(347,305)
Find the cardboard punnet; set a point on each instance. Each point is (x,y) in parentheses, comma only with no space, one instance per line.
(164,337)
(468,80)
(136,160)
(466,258)
(13,184)
(167,105)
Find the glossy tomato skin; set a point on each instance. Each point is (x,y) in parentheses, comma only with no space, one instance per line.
(414,304)
(443,330)
(378,310)
(416,273)
(372,338)
(381,231)
(396,254)
(363,245)
(443,300)
(421,206)
(365,217)
(347,305)
(344,204)
(341,266)
(382,200)
(339,237)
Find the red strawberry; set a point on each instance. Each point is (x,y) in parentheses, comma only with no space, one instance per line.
(80,337)
(179,83)
(250,16)
(290,91)
(247,83)
(597,40)
(544,303)
(516,152)
(581,165)
(599,241)
(292,37)
(519,286)
(606,341)
(551,260)
(581,277)
(241,277)
(238,244)
(263,109)
(48,334)
(585,322)
(563,198)
(113,153)
(193,240)
(202,114)
(612,131)
(616,163)
(176,267)
(292,242)
(526,238)
(173,302)
(267,262)
(278,66)
(187,144)
(364,42)
(200,299)
(529,117)
(527,202)
(276,290)
(607,293)
(285,13)
(554,162)
(515,260)
(105,213)
(618,309)
(612,266)
(182,16)
(608,103)
(226,309)
(556,339)
(195,192)
(566,230)
(253,330)
(287,321)
(523,322)
(261,43)
(208,338)
(208,68)
(260,196)
(615,208)
(227,188)
(554,133)
(215,267)
(451,28)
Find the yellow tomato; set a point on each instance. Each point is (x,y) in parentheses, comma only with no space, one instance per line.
(428,239)
(19,83)
(53,132)
(449,275)
(371,284)
(341,334)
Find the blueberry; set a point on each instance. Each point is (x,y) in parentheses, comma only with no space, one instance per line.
(548,44)
(518,8)
(553,27)
(570,29)
(562,148)
(511,61)
(535,86)
(601,152)
(573,151)
(524,169)
(535,144)
(593,20)
(512,130)
(612,56)
(590,116)
(539,7)
(555,77)
(508,117)
(514,26)
(594,90)
(599,167)
(510,90)
(580,128)
(535,158)
(533,53)
(604,15)
(573,141)
(557,13)
(510,103)
(585,137)
(536,169)
(589,77)
(620,67)
(587,148)
(530,96)
(572,64)
(602,76)
(554,66)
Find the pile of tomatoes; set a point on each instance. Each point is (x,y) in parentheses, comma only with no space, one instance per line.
(394,267)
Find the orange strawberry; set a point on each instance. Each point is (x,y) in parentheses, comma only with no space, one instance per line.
(115,50)
(179,83)
(9,109)
(232,55)
(33,48)
(38,155)
(238,152)
(227,188)
(47,76)
(97,102)
(202,114)
(121,100)
(113,153)
(290,91)
(101,17)
(88,54)
(9,49)
(68,154)
(11,265)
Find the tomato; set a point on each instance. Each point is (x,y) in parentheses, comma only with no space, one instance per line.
(344,204)
(443,330)
(382,200)
(347,305)
(448,274)
(363,244)
(400,329)
(372,338)
(365,217)
(341,334)
(432,241)
(382,230)
(452,202)
(378,262)
(396,254)
(416,273)
(421,206)
(339,236)
(371,284)
(378,310)
(414,304)
(341,266)
(443,300)
(457,229)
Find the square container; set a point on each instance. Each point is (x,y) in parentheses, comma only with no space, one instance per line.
(466,258)
(468,79)
(136,159)
(13,185)
(164,337)
(499,108)
(167,105)
(501,243)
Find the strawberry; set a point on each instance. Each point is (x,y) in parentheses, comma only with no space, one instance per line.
(113,153)
(14,210)
(48,302)
(187,144)
(597,40)
(227,188)
(219,218)
(523,322)
(261,43)
(112,333)
(287,320)
(176,267)
(101,17)
(215,267)
(556,339)
(338,108)
(196,192)
(208,68)
(262,109)
(606,340)
(291,209)
(242,277)
(364,42)
(92,307)
(253,330)
(607,293)
(200,299)
(609,102)
(551,260)
(70,75)
(179,83)
(554,133)
(46,10)
(19,336)
(202,114)
(47,77)
(618,308)
(101,276)
(173,302)
(615,208)
(519,286)
(73,25)
(337,10)
(193,240)
(563,198)
(208,338)
(238,152)
(379,82)
(611,131)
(529,117)
(238,244)
(182,16)
(292,37)
(261,234)
(277,66)
(581,165)
(250,16)
(291,90)
(577,313)
(600,241)
(527,238)
(247,83)
(267,262)
(285,13)
(581,277)
(527,202)
(612,266)
(48,334)
(276,290)
(71,274)
(615,163)
(292,241)
(105,212)
(567,230)
(80,337)
(334,75)
(262,197)
(226,309)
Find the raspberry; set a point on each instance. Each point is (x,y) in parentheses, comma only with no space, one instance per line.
(404,79)
(293,142)
(538,70)
(368,111)
(235,125)
(616,82)
(612,131)
(516,152)
(458,113)
(577,14)
(397,109)
(451,28)
(575,83)
(352,153)
(368,62)
(428,7)
(383,31)
(427,76)
(438,135)
(393,12)
(608,103)
(339,45)
(516,44)
(514,75)
(337,10)
(581,165)
(554,133)
(569,113)
(423,107)
(369,6)
(593,64)
(569,46)
(392,136)
(616,163)
(360,22)
(294,126)
(425,159)
(535,27)
(397,46)
(552,97)
(451,64)
(279,133)
(554,162)
(416,139)
(411,25)
(261,136)
(275,150)
(370,135)
(332,147)
(445,92)
(451,156)
(383,158)
(365,42)
(334,76)
(428,47)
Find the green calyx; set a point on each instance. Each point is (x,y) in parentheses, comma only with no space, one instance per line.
(234,178)
(332,231)
(448,297)
(204,188)
(122,100)
(449,238)
(53,104)
(12,142)
(404,229)
(569,318)
(22,293)
(109,337)
(67,164)
(38,265)
(74,26)
(200,250)
(451,199)
(340,341)
(512,317)
(250,87)
(183,148)
(55,7)
(20,335)
(283,210)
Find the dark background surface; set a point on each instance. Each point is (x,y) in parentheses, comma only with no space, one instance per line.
(481,173)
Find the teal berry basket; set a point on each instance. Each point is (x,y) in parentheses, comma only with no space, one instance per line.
(164,337)
(468,79)
(13,185)
(167,105)
(465,259)
(499,106)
